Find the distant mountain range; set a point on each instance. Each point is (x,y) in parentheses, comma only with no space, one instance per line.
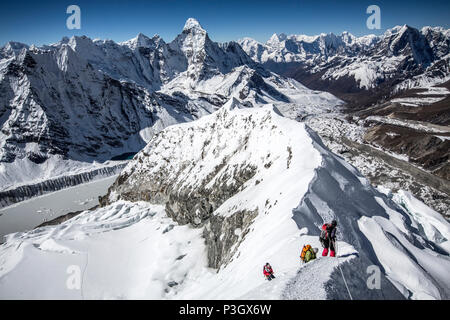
(359,70)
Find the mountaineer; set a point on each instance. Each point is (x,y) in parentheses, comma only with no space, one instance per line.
(328,238)
(268,272)
(308,253)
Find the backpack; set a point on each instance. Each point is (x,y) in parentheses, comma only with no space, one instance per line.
(324,232)
(305,249)
(323,235)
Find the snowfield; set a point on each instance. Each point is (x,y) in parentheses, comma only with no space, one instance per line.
(124,251)
(134,250)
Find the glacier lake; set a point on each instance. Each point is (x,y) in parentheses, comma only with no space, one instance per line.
(30,213)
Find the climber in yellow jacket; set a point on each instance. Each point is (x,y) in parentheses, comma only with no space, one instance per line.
(308,253)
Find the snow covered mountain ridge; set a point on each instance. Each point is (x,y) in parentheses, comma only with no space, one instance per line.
(200,210)
(67,105)
(402,58)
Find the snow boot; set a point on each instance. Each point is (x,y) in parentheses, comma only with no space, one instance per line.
(332,253)
(325,252)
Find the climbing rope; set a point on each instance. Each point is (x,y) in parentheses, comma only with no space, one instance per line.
(84,272)
(342,274)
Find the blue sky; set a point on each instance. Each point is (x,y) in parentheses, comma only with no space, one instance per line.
(43,22)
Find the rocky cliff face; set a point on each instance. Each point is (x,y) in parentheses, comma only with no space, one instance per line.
(223,235)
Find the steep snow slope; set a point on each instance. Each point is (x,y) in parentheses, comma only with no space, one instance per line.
(339,190)
(212,201)
(66,105)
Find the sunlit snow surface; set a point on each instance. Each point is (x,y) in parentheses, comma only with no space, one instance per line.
(123,251)
(133,250)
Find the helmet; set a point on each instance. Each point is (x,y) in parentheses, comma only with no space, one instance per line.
(334,223)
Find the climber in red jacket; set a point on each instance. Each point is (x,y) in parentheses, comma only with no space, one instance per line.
(268,272)
(328,238)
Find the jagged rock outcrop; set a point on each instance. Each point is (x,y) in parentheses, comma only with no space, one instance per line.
(224,234)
